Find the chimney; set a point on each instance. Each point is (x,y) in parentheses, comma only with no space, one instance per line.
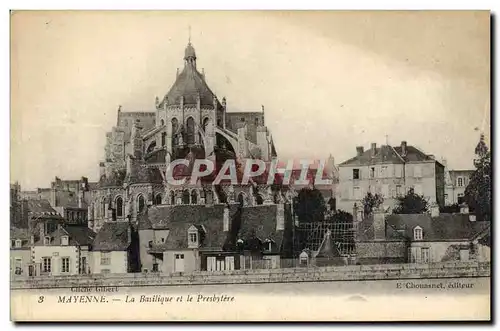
(403,148)
(434,210)
(102,169)
(379,224)
(80,199)
(360,150)
(225,219)
(373,149)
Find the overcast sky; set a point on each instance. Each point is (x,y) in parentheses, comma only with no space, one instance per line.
(329,81)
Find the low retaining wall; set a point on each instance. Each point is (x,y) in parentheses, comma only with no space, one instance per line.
(343,273)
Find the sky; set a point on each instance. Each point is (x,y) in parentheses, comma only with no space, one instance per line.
(329,81)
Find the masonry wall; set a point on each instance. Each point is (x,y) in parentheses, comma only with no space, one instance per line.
(24,257)
(437,249)
(56,253)
(191,260)
(371,272)
(118,262)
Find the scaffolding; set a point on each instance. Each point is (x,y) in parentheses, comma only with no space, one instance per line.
(326,237)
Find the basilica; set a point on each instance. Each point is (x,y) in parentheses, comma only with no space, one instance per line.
(190,122)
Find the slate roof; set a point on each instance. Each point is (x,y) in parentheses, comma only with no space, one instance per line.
(177,219)
(116,178)
(141,174)
(388,154)
(260,222)
(113,236)
(246,224)
(443,227)
(42,209)
(190,83)
(18,233)
(78,236)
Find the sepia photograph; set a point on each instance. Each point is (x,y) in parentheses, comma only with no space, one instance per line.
(250,166)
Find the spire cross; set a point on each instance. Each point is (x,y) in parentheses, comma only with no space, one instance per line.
(189,40)
(386,139)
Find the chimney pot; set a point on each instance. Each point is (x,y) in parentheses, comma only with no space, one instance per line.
(374,149)
(403,148)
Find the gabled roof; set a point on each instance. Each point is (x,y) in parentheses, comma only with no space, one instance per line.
(383,154)
(113,236)
(42,209)
(260,222)
(388,154)
(78,236)
(443,227)
(179,218)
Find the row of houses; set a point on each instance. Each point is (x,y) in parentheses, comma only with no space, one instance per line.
(186,238)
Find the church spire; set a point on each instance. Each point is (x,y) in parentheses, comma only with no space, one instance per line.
(189,53)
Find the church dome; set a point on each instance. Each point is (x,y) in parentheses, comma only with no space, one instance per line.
(190,84)
(189,52)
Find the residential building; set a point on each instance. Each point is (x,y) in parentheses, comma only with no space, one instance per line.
(456,182)
(115,249)
(65,251)
(20,252)
(187,238)
(422,238)
(391,172)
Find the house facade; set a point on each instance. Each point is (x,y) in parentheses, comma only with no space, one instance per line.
(456,182)
(391,172)
(422,238)
(65,251)
(115,249)
(20,252)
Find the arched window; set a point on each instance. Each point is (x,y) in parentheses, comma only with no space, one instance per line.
(418,233)
(190,131)
(259,199)
(157,200)
(241,199)
(172,198)
(175,125)
(194,197)
(119,207)
(163,138)
(205,123)
(141,203)
(151,147)
(185,197)
(162,122)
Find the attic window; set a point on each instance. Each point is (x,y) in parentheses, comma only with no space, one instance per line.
(46,240)
(418,233)
(193,238)
(64,240)
(18,243)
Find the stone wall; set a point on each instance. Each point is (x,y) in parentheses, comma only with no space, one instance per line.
(354,272)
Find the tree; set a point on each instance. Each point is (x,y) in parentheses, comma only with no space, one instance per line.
(411,203)
(310,205)
(371,201)
(478,191)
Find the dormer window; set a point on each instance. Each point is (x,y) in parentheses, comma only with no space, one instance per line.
(64,240)
(193,237)
(46,240)
(418,233)
(18,243)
